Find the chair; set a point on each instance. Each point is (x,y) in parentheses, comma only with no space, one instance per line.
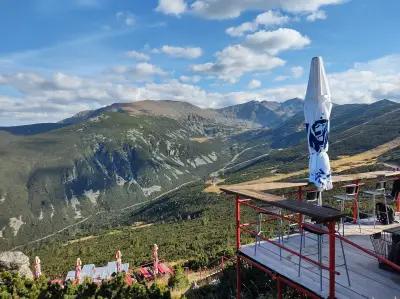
(312,197)
(351,194)
(319,230)
(260,231)
(380,190)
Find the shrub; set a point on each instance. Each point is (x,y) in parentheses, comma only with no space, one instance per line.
(178,280)
(15,286)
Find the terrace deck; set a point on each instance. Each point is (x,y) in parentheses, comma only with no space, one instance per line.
(367,279)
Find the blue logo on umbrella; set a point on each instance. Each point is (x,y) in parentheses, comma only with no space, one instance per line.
(318,135)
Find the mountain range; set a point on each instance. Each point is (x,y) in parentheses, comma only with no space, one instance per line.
(56,174)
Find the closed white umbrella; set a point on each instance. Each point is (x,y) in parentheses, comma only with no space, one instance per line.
(118,258)
(37,267)
(155,258)
(317,112)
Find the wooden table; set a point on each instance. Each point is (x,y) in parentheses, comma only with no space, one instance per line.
(320,214)
(300,183)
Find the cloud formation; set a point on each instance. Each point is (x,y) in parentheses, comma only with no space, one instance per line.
(43,99)
(125,17)
(137,55)
(141,71)
(226,9)
(234,61)
(181,52)
(273,42)
(257,53)
(171,7)
(266,19)
(316,15)
(253,84)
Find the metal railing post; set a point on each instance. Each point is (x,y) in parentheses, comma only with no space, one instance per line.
(300,198)
(237,222)
(355,202)
(238,281)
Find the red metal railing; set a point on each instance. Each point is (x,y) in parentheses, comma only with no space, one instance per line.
(239,227)
(330,232)
(306,258)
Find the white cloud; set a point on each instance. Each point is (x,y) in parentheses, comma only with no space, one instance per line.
(182,52)
(171,7)
(60,96)
(266,19)
(297,71)
(141,71)
(257,53)
(192,79)
(363,83)
(241,29)
(234,61)
(316,15)
(51,98)
(276,41)
(253,84)
(367,82)
(270,18)
(126,18)
(138,55)
(224,9)
(174,90)
(281,78)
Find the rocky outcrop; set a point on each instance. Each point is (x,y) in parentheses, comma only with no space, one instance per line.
(15,261)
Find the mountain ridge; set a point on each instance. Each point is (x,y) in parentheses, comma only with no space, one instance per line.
(272,111)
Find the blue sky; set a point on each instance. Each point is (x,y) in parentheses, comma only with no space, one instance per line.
(61,57)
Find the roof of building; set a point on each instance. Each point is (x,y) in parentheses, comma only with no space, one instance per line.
(98,273)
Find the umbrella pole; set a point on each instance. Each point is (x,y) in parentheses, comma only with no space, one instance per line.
(320,198)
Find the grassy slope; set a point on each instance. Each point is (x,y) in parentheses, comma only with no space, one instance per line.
(262,173)
(355,129)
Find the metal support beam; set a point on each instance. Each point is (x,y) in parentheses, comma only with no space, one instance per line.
(332,257)
(279,287)
(238,280)
(237,222)
(288,282)
(398,202)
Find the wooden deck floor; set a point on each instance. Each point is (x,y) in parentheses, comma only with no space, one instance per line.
(367,279)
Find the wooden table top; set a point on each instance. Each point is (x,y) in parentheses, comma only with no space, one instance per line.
(304,182)
(320,214)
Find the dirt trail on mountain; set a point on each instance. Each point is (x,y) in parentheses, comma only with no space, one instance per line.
(362,159)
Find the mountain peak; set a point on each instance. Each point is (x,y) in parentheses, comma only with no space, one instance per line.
(167,108)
